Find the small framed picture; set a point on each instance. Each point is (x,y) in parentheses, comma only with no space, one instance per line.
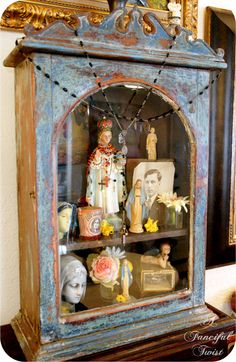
(162,280)
(157,177)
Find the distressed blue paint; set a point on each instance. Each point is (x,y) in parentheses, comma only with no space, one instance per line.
(44,130)
(90,343)
(112,42)
(78,77)
(125,318)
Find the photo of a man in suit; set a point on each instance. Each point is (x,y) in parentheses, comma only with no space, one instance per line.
(152,180)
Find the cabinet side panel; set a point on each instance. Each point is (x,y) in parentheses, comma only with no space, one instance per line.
(26,179)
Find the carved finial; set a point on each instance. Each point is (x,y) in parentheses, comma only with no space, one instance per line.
(175,12)
(220,52)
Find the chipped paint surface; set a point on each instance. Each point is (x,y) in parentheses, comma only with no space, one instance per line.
(75,75)
(111,40)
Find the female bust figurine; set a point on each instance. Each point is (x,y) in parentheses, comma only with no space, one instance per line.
(73,282)
(64,218)
(105,178)
(135,207)
(151,145)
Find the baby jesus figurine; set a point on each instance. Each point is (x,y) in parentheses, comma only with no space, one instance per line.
(105,177)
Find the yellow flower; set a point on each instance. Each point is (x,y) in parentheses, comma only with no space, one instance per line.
(130,266)
(151,225)
(66,308)
(120,298)
(106,228)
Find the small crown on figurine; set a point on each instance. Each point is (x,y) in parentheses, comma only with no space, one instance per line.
(104,125)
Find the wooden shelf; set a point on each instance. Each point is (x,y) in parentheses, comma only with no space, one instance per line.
(79,244)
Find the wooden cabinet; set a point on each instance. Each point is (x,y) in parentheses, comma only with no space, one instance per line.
(66,81)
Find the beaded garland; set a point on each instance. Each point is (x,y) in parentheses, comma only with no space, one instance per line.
(106,150)
(109,113)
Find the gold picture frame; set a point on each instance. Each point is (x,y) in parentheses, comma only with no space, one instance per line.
(157,281)
(42,12)
(226,14)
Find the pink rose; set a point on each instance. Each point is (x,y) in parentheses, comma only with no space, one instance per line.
(104,270)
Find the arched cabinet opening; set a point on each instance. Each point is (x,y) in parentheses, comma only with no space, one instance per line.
(124,192)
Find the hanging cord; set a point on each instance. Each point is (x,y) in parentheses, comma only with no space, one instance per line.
(136,117)
(98,82)
(130,101)
(201,92)
(104,111)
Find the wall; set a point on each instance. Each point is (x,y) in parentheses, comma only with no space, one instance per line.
(220,283)
(9,253)
(202,4)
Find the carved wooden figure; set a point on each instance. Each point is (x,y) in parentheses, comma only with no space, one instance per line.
(151,145)
(135,207)
(53,75)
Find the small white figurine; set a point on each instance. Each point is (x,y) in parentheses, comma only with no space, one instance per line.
(151,145)
(64,218)
(161,259)
(126,279)
(105,180)
(175,12)
(135,207)
(73,280)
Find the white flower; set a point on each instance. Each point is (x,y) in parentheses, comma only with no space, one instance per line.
(115,252)
(172,200)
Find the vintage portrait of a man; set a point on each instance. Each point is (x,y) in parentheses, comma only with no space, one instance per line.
(157,178)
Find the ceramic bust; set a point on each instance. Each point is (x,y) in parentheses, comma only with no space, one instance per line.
(105,178)
(151,145)
(64,218)
(73,280)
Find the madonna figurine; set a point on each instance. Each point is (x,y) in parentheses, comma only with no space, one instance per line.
(126,279)
(135,207)
(105,178)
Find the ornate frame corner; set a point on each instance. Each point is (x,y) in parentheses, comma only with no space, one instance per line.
(43,12)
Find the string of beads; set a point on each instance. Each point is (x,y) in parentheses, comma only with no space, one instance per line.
(136,117)
(106,112)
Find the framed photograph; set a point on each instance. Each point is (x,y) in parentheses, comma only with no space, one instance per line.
(151,278)
(157,177)
(162,280)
